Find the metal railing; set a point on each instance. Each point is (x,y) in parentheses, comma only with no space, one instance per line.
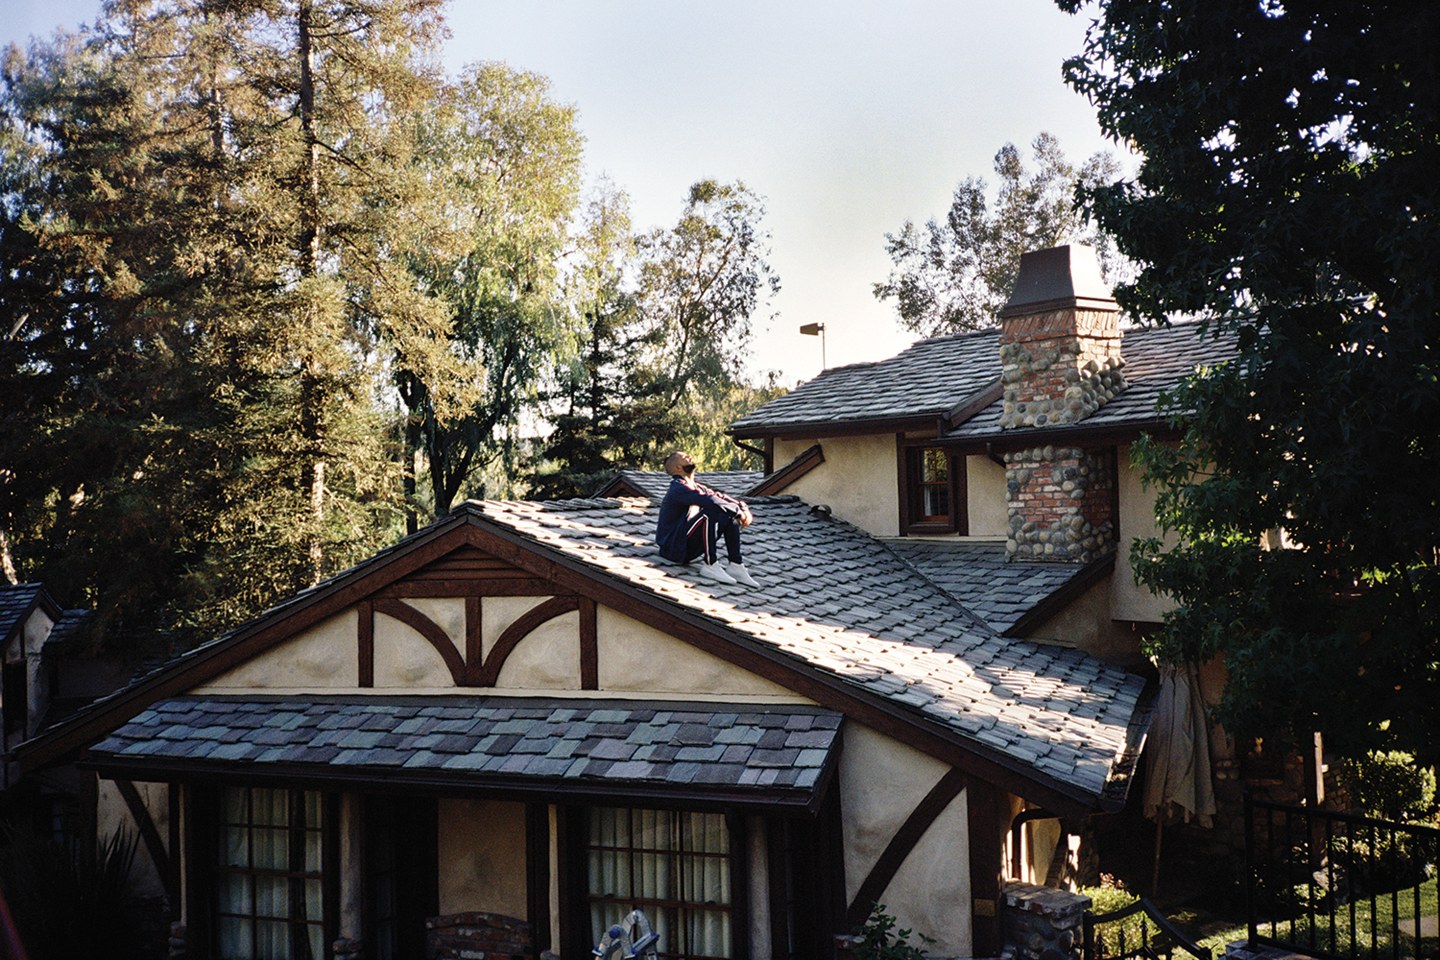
(1340,886)
(1139,930)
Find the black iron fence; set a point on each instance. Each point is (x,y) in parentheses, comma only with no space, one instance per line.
(1340,886)
(1140,931)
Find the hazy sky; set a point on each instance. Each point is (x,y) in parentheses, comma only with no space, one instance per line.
(846,116)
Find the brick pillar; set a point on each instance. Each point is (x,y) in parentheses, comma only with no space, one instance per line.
(1059,341)
(1042,923)
(1059,362)
(477,936)
(1061,504)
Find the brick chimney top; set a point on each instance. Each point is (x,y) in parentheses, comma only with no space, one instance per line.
(1057,278)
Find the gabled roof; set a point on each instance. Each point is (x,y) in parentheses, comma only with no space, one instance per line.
(925,381)
(835,600)
(654,483)
(1009,595)
(952,378)
(17,600)
(839,619)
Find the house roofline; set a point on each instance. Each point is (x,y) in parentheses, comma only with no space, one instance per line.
(1082,433)
(802,463)
(42,599)
(1054,601)
(567,573)
(811,429)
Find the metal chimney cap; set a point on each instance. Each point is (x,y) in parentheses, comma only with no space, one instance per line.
(1058,277)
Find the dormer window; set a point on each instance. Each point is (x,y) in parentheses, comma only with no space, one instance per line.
(932,484)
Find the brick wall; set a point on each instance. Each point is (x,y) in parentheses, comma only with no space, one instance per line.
(1058,366)
(1061,504)
(477,936)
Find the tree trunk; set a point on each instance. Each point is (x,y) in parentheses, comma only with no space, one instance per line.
(312,376)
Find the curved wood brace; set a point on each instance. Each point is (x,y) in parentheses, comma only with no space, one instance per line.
(909,834)
(517,631)
(430,630)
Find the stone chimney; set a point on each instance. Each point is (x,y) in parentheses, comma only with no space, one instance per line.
(1059,362)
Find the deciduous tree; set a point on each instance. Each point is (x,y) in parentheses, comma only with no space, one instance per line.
(956,275)
(1287,193)
(506,159)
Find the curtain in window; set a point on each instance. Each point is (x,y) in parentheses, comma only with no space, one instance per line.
(673,865)
(269,892)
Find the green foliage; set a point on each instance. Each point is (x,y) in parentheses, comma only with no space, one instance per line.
(1285,198)
(956,275)
(507,160)
(660,358)
(1109,896)
(68,905)
(879,940)
(1389,786)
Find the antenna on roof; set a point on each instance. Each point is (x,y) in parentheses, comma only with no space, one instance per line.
(817,330)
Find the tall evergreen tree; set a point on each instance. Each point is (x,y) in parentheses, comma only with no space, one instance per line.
(211,287)
(666,319)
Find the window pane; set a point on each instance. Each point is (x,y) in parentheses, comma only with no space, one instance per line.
(673,865)
(269,898)
(234,935)
(235,894)
(936,502)
(935,466)
(273,940)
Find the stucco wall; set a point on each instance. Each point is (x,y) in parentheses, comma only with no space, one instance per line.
(636,658)
(1086,623)
(112,815)
(482,857)
(547,659)
(881,782)
(1128,599)
(857,480)
(985,497)
(322,656)
(403,658)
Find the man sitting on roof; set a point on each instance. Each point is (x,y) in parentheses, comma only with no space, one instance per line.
(694,518)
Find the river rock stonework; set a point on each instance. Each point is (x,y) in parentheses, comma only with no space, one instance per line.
(1061,504)
(1058,367)
(1041,923)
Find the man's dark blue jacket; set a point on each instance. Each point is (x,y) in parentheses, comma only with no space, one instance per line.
(675,512)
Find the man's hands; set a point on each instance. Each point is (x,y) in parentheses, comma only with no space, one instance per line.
(745,517)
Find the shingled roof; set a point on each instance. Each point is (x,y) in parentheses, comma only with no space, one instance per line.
(1155,360)
(836,600)
(1007,594)
(926,380)
(16,602)
(936,377)
(839,617)
(654,483)
(778,753)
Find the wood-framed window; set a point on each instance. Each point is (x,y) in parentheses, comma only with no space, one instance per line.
(932,490)
(676,865)
(270,894)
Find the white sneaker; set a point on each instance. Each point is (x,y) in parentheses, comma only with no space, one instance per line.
(713,571)
(740,574)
